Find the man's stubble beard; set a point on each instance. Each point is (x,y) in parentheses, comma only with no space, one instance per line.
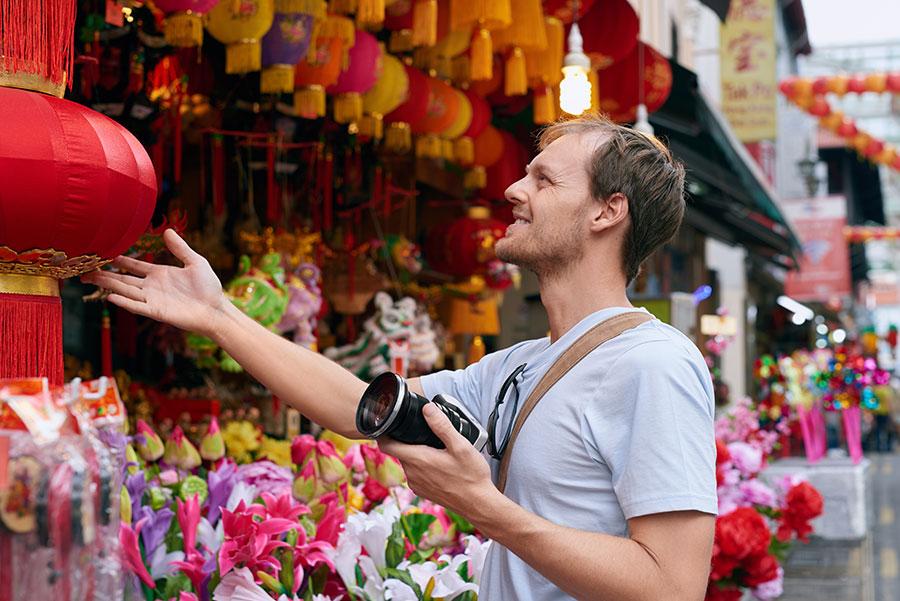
(545,255)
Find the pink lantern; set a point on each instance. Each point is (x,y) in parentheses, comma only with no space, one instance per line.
(361,74)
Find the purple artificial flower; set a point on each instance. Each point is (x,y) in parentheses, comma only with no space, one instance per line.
(156,526)
(746,458)
(266,476)
(220,482)
(136,485)
(772,589)
(757,493)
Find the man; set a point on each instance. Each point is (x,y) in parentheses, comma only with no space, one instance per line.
(611,488)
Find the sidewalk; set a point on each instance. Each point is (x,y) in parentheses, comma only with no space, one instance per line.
(854,570)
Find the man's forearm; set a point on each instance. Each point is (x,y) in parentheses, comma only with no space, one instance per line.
(586,565)
(316,386)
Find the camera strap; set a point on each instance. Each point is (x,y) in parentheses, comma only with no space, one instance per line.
(604,331)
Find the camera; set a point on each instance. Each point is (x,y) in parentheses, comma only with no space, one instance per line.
(389,408)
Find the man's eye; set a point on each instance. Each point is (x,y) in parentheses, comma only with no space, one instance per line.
(543,179)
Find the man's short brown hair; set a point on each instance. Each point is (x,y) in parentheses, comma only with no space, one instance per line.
(640,167)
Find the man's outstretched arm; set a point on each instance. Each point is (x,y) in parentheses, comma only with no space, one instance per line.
(667,555)
(191,298)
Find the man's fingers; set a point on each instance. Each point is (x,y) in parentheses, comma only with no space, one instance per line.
(178,247)
(441,426)
(134,266)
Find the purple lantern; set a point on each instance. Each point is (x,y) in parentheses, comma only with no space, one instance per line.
(287,42)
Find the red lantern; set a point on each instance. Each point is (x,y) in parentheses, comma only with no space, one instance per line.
(619,84)
(442,109)
(416,104)
(481,114)
(610,32)
(466,246)
(488,147)
(510,168)
(562,9)
(78,190)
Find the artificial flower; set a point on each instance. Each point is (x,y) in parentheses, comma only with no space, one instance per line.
(149,445)
(241,439)
(759,569)
(382,467)
(248,542)
(742,533)
(276,451)
(188,518)
(476,551)
(212,445)
(802,503)
(305,483)
(373,529)
(220,483)
(124,506)
(239,584)
(331,467)
(374,491)
(161,562)
(155,525)
(773,589)
(714,593)
(282,507)
(265,476)
(131,553)
(746,458)
(301,447)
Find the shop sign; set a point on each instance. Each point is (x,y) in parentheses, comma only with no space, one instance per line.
(824,272)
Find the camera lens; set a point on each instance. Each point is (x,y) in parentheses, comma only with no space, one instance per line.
(379,405)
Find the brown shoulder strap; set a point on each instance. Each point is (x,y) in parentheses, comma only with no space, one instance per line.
(600,333)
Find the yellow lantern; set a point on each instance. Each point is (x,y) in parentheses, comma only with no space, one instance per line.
(388,93)
(239,24)
(484,16)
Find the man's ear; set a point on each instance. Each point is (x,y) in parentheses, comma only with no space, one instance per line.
(610,213)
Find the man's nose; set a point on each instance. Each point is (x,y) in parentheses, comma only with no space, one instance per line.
(515,193)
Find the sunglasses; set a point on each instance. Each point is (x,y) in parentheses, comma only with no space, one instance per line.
(495,449)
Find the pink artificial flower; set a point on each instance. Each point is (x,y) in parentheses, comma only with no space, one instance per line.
(131,553)
(309,554)
(188,513)
(192,567)
(353,459)
(773,589)
(186,596)
(305,483)
(301,447)
(329,527)
(382,467)
(249,542)
(746,458)
(168,477)
(331,466)
(757,493)
(239,584)
(283,507)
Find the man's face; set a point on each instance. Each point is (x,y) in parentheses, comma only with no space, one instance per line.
(551,205)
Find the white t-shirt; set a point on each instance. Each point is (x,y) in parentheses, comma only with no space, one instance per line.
(627,432)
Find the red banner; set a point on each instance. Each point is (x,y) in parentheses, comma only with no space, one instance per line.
(824,273)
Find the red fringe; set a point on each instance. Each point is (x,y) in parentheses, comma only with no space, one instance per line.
(218,175)
(37,36)
(31,331)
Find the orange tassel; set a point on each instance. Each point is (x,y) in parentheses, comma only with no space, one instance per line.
(544,106)
(424,23)
(516,76)
(482,56)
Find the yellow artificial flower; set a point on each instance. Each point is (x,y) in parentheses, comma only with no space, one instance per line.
(241,439)
(276,451)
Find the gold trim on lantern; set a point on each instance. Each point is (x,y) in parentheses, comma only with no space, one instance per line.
(316,8)
(47,262)
(277,79)
(309,102)
(243,56)
(184,29)
(35,285)
(33,82)
(398,137)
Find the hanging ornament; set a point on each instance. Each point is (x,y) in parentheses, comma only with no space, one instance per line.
(239,24)
(288,42)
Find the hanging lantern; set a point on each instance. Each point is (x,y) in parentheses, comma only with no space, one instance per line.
(413,23)
(562,9)
(287,42)
(468,245)
(508,169)
(412,110)
(361,74)
(441,112)
(387,94)
(239,24)
(526,33)
(610,32)
(484,17)
(462,149)
(183,24)
(79,189)
(619,92)
(321,69)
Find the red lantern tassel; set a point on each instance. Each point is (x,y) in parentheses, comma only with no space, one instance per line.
(31,329)
(6,559)
(218,175)
(272,212)
(106,344)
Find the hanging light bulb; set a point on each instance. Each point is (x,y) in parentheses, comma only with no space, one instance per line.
(575,88)
(642,123)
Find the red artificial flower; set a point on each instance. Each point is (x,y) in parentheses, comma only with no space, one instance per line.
(722,565)
(374,491)
(759,569)
(723,456)
(742,533)
(801,504)
(714,593)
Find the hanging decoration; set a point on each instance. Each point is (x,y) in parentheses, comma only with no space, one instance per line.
(240,25)
(622,84)
(610,32)
(183,24)
(544,73)
(287,42)
(484,17)
(526,33)
(386,95)
(323,66)
(575,88)
(810,95)
(362,72)
(404,120)
(412,23)
(856,234)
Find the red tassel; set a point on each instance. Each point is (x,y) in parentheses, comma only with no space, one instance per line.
(272,212)
(159,158)
(218,175)
(105,345)
(31,331)
(177,152)
(6,559)
(38,37)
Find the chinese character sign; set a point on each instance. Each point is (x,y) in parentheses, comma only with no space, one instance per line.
(747,65)
(824,272)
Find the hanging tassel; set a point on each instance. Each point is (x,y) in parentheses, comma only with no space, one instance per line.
(398,138)
(309,102)
(429,147)
(595,92)
(447,150)
(37,44)
(370,13)
(184,30)
(315,8)
(218,175)
(277,79)
(475,178)
(516,76)
(348,107)
(339,27)
(105,344)
(424,31)
(401,41)
(243,57)
(482,56)
(31,327)
(372,126)
(328,196)
(342,7)
(544,106)
(476,350)
(464,151)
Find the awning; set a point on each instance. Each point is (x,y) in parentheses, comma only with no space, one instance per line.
(728,197)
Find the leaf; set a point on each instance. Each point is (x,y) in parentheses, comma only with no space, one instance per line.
(396,549)
(422,555)
(175,584)
(462,524)
(405,578)
(417,525)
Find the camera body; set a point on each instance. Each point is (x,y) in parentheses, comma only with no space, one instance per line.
(389,408)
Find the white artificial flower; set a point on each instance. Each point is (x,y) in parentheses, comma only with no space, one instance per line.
(208,536)
(241,492)
(397,590)
(476,551)
(160,562)
(238,585)
(372,531)
(344,557)
(374,586)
